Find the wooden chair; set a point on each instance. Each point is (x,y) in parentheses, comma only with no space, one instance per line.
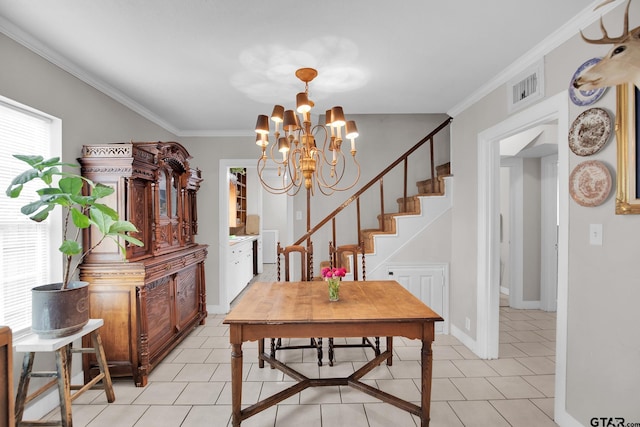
(306,258)
(339,257)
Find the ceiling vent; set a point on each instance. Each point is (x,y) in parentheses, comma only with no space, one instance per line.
(526,88)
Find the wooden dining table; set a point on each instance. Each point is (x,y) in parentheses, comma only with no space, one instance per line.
(302,310)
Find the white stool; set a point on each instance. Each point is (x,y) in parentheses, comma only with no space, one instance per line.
(32,344)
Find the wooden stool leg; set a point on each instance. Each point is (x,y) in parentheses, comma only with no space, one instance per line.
(102,364)
(64,387)
(23,386)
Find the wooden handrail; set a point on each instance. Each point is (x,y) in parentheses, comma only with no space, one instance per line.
(357,194)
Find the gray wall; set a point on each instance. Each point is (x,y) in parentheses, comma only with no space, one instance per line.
(531,230)
(88,116)
(603,346)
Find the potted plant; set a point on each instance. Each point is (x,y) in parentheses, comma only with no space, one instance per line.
(61,309)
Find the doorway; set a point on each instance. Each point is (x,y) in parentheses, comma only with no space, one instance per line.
(556,109)
(267,206)
(529,218)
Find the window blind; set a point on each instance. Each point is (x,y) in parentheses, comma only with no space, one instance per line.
(24,244)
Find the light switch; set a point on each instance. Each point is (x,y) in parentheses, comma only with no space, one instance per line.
(298,215)
(595,234)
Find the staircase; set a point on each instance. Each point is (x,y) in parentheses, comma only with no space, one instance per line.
(409,206)
(420,211)
(415,213)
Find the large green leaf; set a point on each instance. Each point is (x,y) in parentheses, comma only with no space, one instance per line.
(100,220)
(71,185)
(121,227)
(70,247)
(31,160)
(106,210)
(47,175)
(48,191)
(132,240)
(42,215)
(82,200)
(32,207)
(79,219)
(101,190)
(14,192)
(24,177)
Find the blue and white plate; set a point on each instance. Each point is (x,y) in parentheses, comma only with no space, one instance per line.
(585,97)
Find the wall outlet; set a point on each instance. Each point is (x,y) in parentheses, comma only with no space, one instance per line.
(467,323)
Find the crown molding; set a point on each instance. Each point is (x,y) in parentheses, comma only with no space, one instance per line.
(551,42)
(26,40)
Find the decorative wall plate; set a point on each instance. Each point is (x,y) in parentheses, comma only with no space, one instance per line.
(590,183)
(589,132)
(584,97)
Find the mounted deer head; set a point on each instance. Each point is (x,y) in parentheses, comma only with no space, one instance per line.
(620,65)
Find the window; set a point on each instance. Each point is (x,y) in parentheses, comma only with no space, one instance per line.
(28,250)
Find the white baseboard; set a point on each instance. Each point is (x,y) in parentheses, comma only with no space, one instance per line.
(563,419)
(465,339)
(504,290)
(217,309)
(528,305)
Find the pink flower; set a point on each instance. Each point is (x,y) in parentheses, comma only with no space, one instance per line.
(333,272)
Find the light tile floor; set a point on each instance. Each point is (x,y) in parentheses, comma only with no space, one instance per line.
(191,387)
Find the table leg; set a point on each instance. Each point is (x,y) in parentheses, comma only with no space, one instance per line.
(426,360)
(260,353)
(390,348)
(236,383)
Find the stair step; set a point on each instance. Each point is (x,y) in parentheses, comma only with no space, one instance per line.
(444,169)
(413,204)
(424,187)
(367,238)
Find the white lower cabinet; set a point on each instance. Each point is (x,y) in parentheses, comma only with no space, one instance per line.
(240,268)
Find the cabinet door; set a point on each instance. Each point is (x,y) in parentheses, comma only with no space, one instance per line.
(159,313)
(141,216)
(187,295)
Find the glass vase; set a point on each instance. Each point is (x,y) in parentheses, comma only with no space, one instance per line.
(334,289)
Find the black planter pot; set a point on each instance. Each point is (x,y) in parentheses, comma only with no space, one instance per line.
(59,312)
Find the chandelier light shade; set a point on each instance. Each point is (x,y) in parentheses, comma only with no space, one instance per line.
(303,162)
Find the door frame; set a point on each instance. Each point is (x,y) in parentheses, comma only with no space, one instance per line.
(554,108)
(223,222)
(516,230)
(549,235)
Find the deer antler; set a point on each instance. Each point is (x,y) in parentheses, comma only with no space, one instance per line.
(606,39)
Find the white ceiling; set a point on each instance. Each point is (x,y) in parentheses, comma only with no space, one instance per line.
(209,67)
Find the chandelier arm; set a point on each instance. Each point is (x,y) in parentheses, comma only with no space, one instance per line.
(274,157)
(294,166)
(341,159)
(335,187)
(273,190)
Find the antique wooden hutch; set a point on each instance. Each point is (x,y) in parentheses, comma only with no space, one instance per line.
(151,300)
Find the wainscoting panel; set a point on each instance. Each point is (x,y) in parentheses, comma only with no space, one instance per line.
(429,283)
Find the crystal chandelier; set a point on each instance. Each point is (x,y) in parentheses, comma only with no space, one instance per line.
(302,161)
